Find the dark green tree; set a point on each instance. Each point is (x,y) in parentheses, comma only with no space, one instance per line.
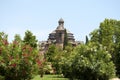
(87,40)
(30,39)
(95,37)
(51,53)
(65,39)
(17,37)
(117,48)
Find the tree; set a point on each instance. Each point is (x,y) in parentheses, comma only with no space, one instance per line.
(51,53)
(87,40)
(107,29)
(65,40)
(108,35)
(30,39)
(117,48)
(17,61)
(58,57)
(104,34)
(66,61)
(17,38)
(91,63)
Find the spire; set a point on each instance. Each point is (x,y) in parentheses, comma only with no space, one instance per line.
(61,24)
(61,21)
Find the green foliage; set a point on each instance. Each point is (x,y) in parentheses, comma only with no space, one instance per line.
(117,60)
(108,35)
(93,63)
(17,38)
(95,36)
(117,48)
(105,33)
(50,55)
(107,29)
(65,40)
(54,55)
(18,61)
(88,62)
(67,59)
(57,57)
(87,40)
(30,39)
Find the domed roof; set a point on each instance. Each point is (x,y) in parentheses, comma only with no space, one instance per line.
(53,32)
(61,20)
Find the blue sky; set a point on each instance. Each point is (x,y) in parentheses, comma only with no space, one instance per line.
(41,16)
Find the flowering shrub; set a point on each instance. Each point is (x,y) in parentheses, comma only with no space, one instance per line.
(89,62)
(17,61)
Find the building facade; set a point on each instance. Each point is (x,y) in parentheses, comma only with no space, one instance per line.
(57,37)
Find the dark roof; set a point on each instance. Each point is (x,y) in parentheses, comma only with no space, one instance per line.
(53,32)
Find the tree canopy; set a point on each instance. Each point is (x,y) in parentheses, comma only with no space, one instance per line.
(30,39)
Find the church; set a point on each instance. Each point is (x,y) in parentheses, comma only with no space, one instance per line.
(57,37)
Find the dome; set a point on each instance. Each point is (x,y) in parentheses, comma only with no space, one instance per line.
(61,21)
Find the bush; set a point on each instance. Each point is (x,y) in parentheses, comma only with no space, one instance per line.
(18,61)
(90,63)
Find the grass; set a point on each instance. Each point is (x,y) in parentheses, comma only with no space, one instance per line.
(49,77)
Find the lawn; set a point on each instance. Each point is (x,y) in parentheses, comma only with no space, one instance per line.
(50,77)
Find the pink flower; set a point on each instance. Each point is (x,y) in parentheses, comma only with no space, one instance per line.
(5,42)
(39,62)
(13,65)
(30,48)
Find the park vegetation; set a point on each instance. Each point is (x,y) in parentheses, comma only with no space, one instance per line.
(97,59)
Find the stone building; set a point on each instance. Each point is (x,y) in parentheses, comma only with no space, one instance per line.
(57,37)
